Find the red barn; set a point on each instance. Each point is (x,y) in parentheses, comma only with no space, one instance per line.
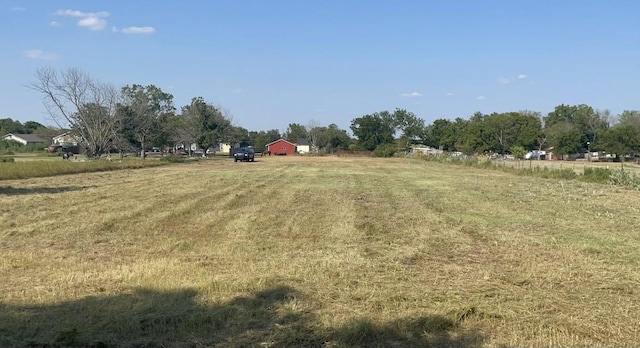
(281,147)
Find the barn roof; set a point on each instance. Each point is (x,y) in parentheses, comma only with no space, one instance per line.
(279,140)
(303,141)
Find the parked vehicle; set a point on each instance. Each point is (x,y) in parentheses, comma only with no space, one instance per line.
(244,154)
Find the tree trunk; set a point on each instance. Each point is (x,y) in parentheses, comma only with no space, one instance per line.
(142,153)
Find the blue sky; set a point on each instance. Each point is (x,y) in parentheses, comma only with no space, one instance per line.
(270,63)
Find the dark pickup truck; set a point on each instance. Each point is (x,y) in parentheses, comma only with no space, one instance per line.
(244,154)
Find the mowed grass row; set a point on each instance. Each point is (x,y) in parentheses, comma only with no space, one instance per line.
(318,252)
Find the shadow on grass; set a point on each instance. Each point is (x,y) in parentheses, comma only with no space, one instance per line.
(147,318)
(15,191)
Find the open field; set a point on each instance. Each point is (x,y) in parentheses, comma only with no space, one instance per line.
(332,252)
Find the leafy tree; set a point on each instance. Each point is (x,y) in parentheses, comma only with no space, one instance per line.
(621,140)
(30,127)
(630,118)
(583,118)
(409,125)
(441,134)
(211,126)
(332,138)
(7,125)
(141,112)
(373,130)
(565,139)
(295,131)
(518,151)
(240,135)
(263,138)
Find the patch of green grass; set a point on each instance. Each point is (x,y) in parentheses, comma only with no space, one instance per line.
(21,170)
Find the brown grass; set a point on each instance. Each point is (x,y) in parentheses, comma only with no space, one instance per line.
(336,252)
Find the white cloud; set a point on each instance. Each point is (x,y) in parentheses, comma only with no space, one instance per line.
(40,54)
(76,13)
(480,97)
(411,95)
(522,77)
(114,29)
(92,23)
(448,94)
(18,9)
(139,30)
(90,20)
(503,80)
(55,24)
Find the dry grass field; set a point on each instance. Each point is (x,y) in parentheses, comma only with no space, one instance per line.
(325,252)
(577,166)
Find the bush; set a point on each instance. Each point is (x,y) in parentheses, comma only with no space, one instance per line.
(599,175)
(7,160)
(622,178)
(385,150)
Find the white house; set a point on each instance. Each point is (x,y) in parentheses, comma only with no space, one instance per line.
(65,138)
(24,139)
(302,146)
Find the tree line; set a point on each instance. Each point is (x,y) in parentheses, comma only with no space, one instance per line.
(137,117)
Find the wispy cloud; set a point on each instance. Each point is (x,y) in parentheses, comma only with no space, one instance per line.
(90,20)
(448,94)
(503,80)
(411,95)
(55,24)
(139,30)
(522,77)
(18,9)
(236,90)
(480,97)
(40,54)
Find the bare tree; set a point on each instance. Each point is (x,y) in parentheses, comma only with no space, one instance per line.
(72,98)
(313,134)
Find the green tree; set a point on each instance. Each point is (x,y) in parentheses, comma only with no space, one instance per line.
(373,130)
(630,118)
(583,118)
(240,135)
(518,151)
(622,140)
(331,139)
(210,125)
(141,111)
(410,126)
(295,131)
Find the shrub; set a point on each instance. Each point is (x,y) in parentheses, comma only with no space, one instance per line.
(599,175)
(7,160)
(622,178)
(385,150)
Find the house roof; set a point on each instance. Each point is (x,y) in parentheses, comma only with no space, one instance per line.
(30,138)
(62,135)
(279,140)
(303,142)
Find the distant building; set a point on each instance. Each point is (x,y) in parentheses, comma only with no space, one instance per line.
(66,139)
(24,139)
(302,146)
(281,147)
